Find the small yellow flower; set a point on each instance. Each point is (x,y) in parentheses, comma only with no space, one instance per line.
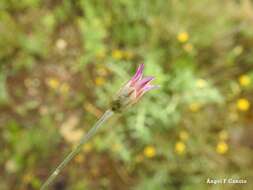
(222,147)
(194,107)
(180,148)
(244,80)
(223,135)
(53,83)
(183,37)
(99,81)
(243,104)
(188,47)
(183,135)
(201,83)
(87,147)
(149,151)
(117,54)
(64,88)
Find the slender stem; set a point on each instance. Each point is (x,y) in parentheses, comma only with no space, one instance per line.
(77,149)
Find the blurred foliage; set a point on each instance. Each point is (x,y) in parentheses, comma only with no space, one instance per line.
(62,61)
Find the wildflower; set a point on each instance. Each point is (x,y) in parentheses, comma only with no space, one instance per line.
(117,54)
(194,107)
(201,83)
(53,83)
(99,81)
(183,135)
(188,47)
(243,104)
(131,92)
(180,148)
(61,44)
(223,135)
(149,151)
(244,80)
(222,147)
(183,37)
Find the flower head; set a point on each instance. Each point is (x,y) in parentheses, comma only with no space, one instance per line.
(244,80)
(183,37)
(222,147)
(243,104)
(149,151)
(134,89)
(180,147)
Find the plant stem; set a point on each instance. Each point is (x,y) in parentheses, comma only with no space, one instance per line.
(77,149)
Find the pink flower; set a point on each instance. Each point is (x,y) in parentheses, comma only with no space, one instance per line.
(133,90)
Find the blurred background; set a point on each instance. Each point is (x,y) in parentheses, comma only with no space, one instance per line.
(61,61)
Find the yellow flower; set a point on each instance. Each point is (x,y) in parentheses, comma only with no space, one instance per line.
(117,54)
(53,83)
(180,148)
(222,147)
(99,81)
(183,135)
(201,83)
(64,89)
(194,107)
(149,151)
(223,135)
(243,104)
(188,47)
(183,37)
(244,80)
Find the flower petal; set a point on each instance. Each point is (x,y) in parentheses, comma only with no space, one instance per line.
(138,74)
(141,83)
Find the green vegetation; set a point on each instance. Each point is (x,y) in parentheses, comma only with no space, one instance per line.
(61,61)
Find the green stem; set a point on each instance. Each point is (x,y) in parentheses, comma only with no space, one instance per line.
(77,149)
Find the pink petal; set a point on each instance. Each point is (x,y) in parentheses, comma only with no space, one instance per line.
(145,89)
(138,74)
(141,83)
